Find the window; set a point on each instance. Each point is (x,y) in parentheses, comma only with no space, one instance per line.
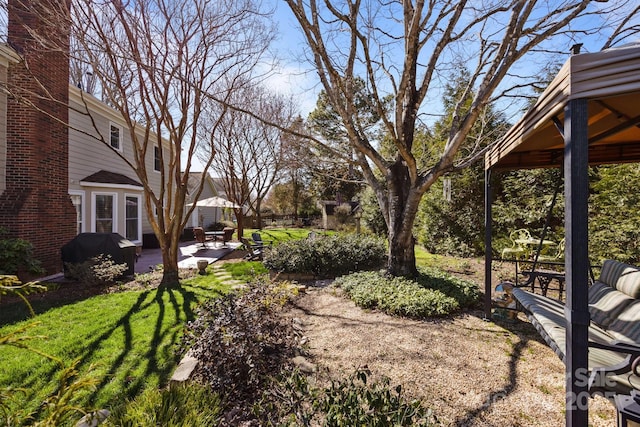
(104,213)
(156,159)
(77,201)
(115,136)
(132,217)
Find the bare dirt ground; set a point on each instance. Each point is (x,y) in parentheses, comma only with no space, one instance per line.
(471,372)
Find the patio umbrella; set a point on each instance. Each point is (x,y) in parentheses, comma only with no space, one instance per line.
(215,202)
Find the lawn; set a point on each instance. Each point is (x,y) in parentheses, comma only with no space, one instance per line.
(278,235)
(124,341)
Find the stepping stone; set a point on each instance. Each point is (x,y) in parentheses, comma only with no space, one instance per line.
(185,368)
(93,419)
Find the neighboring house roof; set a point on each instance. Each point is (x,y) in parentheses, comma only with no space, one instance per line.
(329,206)
(106,177)
(218,184)
(194,182)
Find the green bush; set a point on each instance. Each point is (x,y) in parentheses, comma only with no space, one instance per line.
(327,256)
(16,254)
(97,271)
(353,401)
(433,293)
(178,405)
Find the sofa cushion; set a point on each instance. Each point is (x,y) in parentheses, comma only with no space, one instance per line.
(623,277)
(606,303)
(626,326)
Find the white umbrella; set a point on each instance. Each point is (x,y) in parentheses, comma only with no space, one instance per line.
(215,202)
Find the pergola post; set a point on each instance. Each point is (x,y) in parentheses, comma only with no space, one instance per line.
(488,256)
(576,157)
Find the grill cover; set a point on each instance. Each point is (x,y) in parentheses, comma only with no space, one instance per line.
(88,245)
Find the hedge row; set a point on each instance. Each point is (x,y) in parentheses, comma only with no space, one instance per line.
(327,256)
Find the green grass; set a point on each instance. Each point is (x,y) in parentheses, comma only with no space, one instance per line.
(245,270)
(125,341)
(177,405)
(279,235)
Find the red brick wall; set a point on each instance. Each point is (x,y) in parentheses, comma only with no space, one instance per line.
(35,205)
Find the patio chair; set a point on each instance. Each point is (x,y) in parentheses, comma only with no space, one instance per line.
(257,239)
(201,237)
(516,250)
(557,257)
(227,236)
(254,250)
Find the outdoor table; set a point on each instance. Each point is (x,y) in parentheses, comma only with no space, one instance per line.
(215,235)
(545,277)
(534,242)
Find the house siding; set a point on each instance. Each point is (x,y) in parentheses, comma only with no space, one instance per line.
(88,155)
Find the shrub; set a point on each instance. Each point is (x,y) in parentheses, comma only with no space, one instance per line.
(16,254)
(97,271)
(220,225)
(427,296)
(328,256)
(239,340)
(466,293)
(353,401)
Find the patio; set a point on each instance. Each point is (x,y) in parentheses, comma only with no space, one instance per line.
(189,254)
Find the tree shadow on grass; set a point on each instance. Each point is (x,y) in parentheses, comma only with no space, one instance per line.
(160,358)
(155,363)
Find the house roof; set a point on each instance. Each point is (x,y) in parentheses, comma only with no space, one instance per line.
(610,82)
(106,177)
(194,182)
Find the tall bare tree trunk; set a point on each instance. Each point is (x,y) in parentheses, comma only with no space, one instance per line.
(170,248)
(402,201)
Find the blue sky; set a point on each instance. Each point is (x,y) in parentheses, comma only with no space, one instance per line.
(293,76)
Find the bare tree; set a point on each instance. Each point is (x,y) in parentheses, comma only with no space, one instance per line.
(158,63)
(402,50)
(247,151)
(296,157)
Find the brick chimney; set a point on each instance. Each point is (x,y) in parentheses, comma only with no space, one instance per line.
(35,205)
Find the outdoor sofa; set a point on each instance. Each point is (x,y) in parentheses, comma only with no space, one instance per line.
(614,330)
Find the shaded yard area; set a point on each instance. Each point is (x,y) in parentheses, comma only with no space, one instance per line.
(469,371)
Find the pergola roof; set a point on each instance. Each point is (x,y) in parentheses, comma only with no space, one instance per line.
(610,81)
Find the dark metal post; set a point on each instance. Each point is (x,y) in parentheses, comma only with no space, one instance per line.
(576,157)
(487,244)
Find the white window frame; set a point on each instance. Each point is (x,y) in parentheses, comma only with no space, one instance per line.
(139,198)
(83,222)
(115,209)
(120,135)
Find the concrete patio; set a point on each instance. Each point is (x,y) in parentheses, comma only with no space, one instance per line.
(189,254)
